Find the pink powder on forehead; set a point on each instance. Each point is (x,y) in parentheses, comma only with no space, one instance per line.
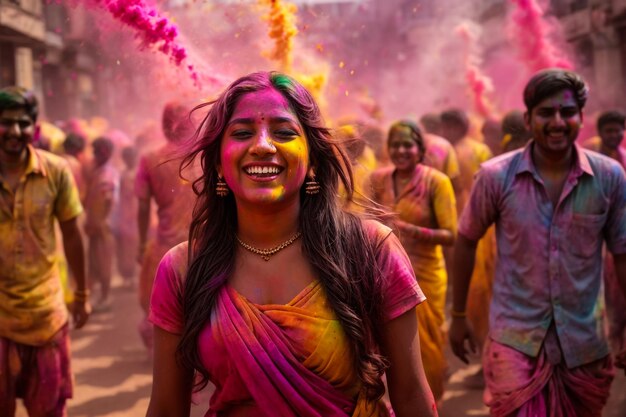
(151,28)
(531,32)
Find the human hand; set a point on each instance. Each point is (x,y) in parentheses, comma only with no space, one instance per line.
(459,332)
(81,309)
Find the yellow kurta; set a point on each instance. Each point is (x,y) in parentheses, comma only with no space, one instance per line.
(426,201)
(472,154)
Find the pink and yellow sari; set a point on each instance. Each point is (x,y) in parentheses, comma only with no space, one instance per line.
(283,360)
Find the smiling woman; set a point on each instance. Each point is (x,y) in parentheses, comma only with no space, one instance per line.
(424,201)
(288,304)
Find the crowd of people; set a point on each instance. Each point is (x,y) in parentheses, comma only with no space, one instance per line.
(304,270)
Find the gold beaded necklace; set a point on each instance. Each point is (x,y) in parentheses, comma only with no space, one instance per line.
(266,254)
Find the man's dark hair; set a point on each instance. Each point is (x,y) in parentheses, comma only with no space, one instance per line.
(548,82)
(104,143)
(13,97)
(611,116)
(456,117)
(74,143)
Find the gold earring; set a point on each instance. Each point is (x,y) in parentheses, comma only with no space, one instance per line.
(221,187)
(312,186)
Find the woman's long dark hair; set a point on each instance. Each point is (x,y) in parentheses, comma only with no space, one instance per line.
(334,241)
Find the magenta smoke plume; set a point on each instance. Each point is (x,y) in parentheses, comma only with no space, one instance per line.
(151,28)
(531,32)
(479,84)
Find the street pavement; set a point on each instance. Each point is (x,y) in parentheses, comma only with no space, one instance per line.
(113,373)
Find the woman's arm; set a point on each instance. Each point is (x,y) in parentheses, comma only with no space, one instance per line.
(443,237)
(408,389)
(171,384)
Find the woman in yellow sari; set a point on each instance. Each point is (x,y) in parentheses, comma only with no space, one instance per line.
(423,200)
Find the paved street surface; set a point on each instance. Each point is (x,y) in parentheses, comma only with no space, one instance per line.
(113,371)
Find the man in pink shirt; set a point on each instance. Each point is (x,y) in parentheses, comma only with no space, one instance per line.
(554,204)
(158,179)
(101,197)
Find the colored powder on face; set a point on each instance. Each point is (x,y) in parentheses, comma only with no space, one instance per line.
(480,84)
(282,30)
(531,32)
(151,28)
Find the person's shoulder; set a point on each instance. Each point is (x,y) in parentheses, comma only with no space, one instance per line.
(502,162)
(50,159)
(381,173)
(602,164)
(434,173)
(376,231)
(52,165)
(176,259)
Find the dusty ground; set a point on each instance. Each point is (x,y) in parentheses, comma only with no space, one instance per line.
(113,372)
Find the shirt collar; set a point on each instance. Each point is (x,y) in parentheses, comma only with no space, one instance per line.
(34,165)
(581,164)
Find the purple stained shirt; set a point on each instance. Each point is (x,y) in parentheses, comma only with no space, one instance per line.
(549,259)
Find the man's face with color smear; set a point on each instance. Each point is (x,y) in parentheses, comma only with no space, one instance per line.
(555,122)
(16,131)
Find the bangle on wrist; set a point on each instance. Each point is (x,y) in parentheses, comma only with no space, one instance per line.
(81,295)
(458,314)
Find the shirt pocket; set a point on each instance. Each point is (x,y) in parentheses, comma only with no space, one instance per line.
(40,214)
(585,233)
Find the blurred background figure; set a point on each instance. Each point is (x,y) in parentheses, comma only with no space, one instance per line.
(363,162)
(158,180)
(101,196)
(610,126)
(516,134)
(423,199)
(73,146)
(491,131)
(126,233)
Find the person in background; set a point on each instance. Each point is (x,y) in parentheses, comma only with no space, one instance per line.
(455,127)
(126,233)
(470,153)
(440,153)
(363,164)
(423,199)
(492,135)
(159,180)
(553,204)
(264,300)
(73,146)
(611,126)
(101,197)
(515,131)
(36,190)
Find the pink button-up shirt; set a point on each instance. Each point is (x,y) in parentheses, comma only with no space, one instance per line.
(550,258)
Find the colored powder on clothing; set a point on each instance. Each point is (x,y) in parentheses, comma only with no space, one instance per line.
(282,30)
(479,84)
(152,29)
(531,32)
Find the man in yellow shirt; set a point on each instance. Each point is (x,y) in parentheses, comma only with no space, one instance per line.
(35,188)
